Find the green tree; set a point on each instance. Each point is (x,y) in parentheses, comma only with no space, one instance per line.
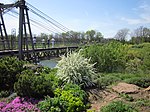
(90,35)
(98,36)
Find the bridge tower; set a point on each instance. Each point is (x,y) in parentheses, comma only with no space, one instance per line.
(4,37)
(24,25)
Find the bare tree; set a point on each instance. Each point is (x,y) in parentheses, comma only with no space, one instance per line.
(122,34)
(141,34)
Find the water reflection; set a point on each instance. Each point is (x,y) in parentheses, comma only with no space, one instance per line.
(50,63)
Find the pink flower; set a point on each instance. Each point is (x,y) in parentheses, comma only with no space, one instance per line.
(16,100)
(20,105)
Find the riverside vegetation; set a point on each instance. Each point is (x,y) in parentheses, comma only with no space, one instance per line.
(65,88)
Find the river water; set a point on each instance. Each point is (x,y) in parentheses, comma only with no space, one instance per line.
(50,63)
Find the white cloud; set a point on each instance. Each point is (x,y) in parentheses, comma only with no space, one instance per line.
(132,21)
(143,12)
(7,1)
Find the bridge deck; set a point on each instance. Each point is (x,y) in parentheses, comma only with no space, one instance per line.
(38,50)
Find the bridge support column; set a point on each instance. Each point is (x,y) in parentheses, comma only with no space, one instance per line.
(4,36)
(23,21)
(20,40)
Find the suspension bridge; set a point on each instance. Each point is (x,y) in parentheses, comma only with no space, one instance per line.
(26,48)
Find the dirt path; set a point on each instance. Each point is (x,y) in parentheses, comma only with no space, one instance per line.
(100,98)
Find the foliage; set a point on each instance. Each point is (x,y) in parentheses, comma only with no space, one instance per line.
(76,91)
(138,59)
(133,66)
(139,81)
(126,97)
(142,102)
(109,57)
(104,81)
(5,93)
(20,105)
(9,68)
(123,76)
(65,100)
(145,51)
(32,85)
(76,69)
(91,110)
(50,75)
(140,35)
(118,106)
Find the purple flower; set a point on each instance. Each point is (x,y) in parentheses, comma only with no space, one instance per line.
(20,105)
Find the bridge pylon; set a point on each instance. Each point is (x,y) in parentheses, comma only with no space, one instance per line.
(25,34)
(4,36)
(24,24)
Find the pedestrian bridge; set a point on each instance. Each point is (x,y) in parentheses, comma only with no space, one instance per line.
(40,53)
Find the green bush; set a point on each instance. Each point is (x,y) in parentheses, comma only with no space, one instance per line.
(107,80)
(50,75)
(134,66)
(145,58)
(32,85)
(9,68)
(76,69)
(118,106)
(4,93)
(138,59)
(139,81)
(67,100)
(142,102)
(110,57)
(124,76)
(126,97)
(76,91)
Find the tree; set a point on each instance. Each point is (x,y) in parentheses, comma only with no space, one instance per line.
(98,36)
(140,35)
(122,34)
(90,34)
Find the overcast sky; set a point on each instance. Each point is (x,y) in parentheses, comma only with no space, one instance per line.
(106,16)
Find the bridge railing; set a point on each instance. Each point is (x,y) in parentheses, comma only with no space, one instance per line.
(38,45)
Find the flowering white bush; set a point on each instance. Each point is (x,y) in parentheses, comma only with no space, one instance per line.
(76,69)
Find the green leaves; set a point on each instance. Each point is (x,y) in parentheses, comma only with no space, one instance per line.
(9,68)
(36,86)
(69,99)
(109,57)
(118,106)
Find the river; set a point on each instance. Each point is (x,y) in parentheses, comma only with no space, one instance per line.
(50,63)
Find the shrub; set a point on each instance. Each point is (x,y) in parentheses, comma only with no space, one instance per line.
(133,66)
(107,80)
(20,105)
(145,58)
(118,106)
(67,100)
(76,91)
(110,57)
(126,97)
(138,59)
(5,93)
(51,76)
(9,68)
(32,85)
(142,102)
(76,69)
(139,81)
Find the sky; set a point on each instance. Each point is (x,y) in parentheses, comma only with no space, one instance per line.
(105,16)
